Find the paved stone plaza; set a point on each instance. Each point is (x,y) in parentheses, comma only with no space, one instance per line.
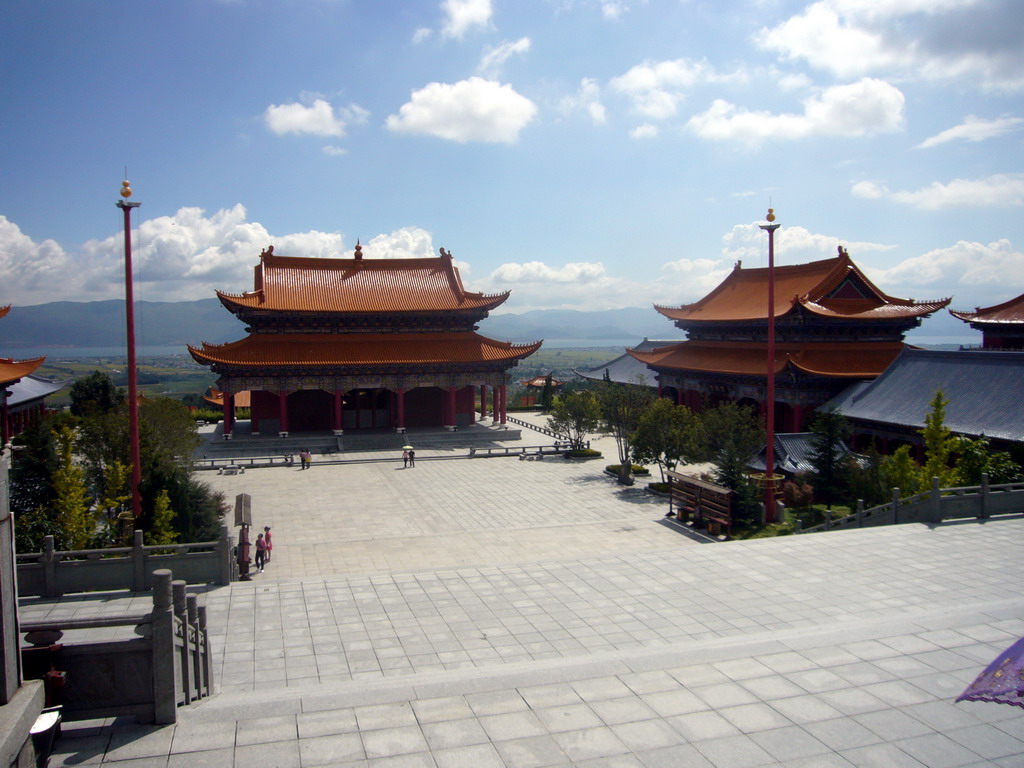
(496,612)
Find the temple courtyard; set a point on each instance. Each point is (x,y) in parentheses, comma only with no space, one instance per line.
(498,612)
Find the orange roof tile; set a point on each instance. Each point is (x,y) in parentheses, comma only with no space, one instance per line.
(1011,311)
(540,381)
(301,284)
(5,310)
(318,349)
(845,360)
(831,287)
(12,370)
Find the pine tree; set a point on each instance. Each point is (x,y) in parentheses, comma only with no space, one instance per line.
(939,443)
(161,529)
(75,523)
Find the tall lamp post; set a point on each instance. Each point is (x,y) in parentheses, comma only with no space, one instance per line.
(769,455)
(133,393)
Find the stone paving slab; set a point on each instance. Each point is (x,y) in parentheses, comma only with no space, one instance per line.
(636,648)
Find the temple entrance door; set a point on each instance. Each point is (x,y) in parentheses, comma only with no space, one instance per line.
(309,410)
(366,409)
(425,407)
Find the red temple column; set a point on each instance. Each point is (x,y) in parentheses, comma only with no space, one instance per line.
(229,415)
(483,401)
(282,413)
(401,410)
(4,421)
(503,390)
(336,425)
(468,394)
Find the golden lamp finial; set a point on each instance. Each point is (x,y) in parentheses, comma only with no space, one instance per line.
(126,189)
(771,215)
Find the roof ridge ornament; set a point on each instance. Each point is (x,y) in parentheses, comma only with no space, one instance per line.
(268,251)
(359,251)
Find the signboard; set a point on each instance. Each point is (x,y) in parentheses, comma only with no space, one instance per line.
(243,509)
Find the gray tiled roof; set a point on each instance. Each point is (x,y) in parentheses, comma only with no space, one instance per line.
(985,390)
(31,388)
(626,369)
(792,453)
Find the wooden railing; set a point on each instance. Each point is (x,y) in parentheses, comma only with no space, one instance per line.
(168,665)
(976,501)
(53,573)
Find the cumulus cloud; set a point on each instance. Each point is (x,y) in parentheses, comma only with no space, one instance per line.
(469,110)
(644,131)
(973,129)
(657,88)
(613,9)
(317,119)
(494,58)
(586,99)
(975,273)
(463,15)
(30,272)
(793,245)
(858,109)
(404,243)
(1001,190)
(972,40)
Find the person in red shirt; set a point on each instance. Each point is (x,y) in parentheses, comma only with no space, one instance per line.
(269,540)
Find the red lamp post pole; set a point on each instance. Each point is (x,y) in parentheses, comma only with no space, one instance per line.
(769,455)
(133,393)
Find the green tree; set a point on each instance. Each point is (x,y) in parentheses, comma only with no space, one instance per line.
(829,457)
(622,405)
(901,471)
(976,458)
(939,443)
(161,527)
(866,480)
(114,503)
(546,394)
(731,434)
(575,415)
(75,524)
(665,435)
(95,393)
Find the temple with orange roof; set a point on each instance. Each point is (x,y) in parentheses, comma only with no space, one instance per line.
(11,373)
(361,343)
(1001,326)
(833,326)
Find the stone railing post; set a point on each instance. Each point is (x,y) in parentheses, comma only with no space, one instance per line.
(799,525)
(49,568)
(828,519)
(138,564)
(207,654)
(192,605)
(165,661)
(983,512)
(860,513)
(935,502)
(895,505)
(185,663)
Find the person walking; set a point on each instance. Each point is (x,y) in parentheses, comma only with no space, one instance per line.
(261,552)
(405,459)
(412,458)
(270,542)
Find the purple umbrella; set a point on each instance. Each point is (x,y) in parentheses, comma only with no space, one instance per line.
(1002,681)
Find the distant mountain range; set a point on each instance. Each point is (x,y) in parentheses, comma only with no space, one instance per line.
(63,324)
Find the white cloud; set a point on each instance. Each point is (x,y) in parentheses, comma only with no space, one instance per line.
(494,58)
(404,243)
(975,273)
(469,110)
(657,88)
(973,129)
(793,245)
(644,131)
(613,9)
(31,272)
(972,40)
(587,99)
(866,107)
(334,151)
(998,191)
(318,119)
(464,15)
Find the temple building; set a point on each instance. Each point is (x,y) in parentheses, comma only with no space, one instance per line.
(20,404)
(1001,326)
(343,344)
(833,326)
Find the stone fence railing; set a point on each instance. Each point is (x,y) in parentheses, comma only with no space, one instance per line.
(148,677)
(976,501)
(53,573)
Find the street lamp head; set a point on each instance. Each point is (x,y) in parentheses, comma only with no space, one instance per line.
(126,189)
(770,217)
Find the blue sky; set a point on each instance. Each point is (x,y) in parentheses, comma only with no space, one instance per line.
(583,154)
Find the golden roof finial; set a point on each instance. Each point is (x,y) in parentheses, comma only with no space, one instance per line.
(126,189)
(771,215)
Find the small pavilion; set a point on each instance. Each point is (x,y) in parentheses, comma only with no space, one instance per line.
(833,326)
(352,344)
(1001,325)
